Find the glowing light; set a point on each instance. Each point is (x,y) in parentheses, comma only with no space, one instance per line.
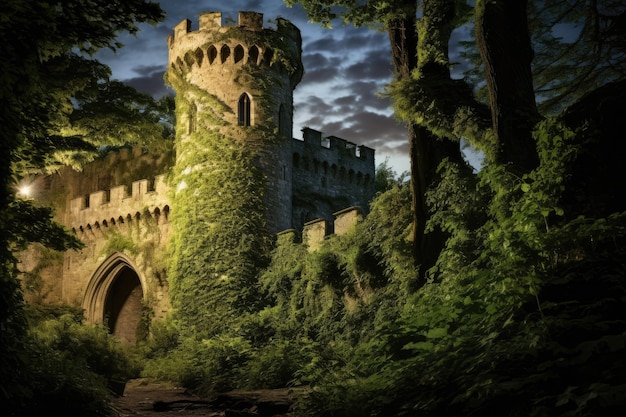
(25,190)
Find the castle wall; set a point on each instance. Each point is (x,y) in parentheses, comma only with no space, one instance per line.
(330,174)
(117,168)
(133,223)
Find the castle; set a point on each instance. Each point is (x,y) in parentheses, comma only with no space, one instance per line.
(235,85)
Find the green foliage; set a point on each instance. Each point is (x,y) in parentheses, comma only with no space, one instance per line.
(521,302)
(328,302)
(101,352)
(278,363)
(117,242)
(221,238)
(386,177)
(29,223)
(45,68)
(68,366)
(206,366)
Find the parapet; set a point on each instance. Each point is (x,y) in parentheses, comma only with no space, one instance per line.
(110,206)
(248,42)
(312,140)
(252,21)
(317,230)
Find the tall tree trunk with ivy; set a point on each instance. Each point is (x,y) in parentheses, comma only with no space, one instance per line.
(505,48)
(419,49)
(403,40)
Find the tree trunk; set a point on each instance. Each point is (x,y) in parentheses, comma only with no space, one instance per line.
(403,39)
(505,48)
(425,149)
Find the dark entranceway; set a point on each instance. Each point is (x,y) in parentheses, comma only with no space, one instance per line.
(114,296)
(123,306)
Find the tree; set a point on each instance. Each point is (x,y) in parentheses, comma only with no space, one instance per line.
(386,178)
(425,57)
(441,110)
(568,64)
(528,291)
(48,86)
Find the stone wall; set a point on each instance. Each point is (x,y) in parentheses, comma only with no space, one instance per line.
(329,174)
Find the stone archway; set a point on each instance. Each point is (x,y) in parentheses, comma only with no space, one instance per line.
(114,296)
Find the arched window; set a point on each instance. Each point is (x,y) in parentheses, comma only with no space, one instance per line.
(224,53)
(199,56)
(253,55)
(244,110)
(238,53)
(212,54)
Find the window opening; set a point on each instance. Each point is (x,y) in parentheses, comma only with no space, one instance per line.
(244,110)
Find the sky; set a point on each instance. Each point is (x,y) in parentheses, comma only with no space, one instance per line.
(345,70)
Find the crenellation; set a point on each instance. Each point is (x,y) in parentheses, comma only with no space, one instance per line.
(313,139)
(311,135)
(96,206)
(346,219)
(316,231)
(181,29)
(250,20)
(330,169)
(210,20)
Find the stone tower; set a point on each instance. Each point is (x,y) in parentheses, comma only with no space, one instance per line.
(232,178)
(238,82)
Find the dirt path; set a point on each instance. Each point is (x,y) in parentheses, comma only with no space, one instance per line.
(143,397)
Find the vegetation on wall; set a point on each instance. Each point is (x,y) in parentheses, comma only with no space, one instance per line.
(218,195)
(33,283)
(218,215)
(519,313)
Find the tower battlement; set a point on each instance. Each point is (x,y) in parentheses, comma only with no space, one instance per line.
(253,21)
(246,43)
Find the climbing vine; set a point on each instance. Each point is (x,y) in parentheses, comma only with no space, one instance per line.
(220,235)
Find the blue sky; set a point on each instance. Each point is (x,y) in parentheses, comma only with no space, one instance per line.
(345,70)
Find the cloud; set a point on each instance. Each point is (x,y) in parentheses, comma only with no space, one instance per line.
(346,68)
(150,80)
(375,65)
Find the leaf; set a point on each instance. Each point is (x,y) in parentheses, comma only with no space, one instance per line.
(437,333)
(419,346)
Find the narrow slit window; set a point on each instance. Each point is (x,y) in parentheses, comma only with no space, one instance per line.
(193,119)
(244,110)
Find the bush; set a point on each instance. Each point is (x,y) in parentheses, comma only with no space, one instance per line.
(277,363)
(211,365)
(69,366)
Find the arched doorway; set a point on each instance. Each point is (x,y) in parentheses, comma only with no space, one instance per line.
(114,296)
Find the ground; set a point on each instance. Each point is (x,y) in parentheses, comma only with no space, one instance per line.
(148,398)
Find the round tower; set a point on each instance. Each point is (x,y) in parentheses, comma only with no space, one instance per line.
(238,81)
(232,179)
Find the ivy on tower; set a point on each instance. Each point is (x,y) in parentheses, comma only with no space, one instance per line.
(231,181)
